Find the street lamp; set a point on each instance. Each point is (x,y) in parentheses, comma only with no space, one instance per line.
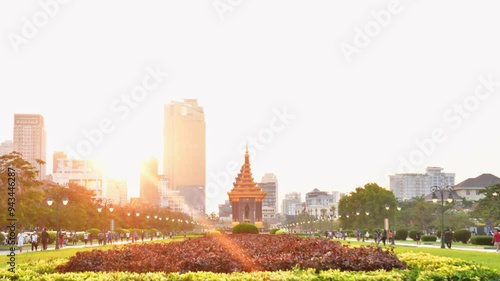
(387,207)
(106,204)
(442,190)
(50,201)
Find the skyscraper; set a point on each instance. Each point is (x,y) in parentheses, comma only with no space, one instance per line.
(184,151)
(30,140)
(149,182)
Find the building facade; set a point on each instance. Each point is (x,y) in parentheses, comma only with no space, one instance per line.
(30,140)
(292,204)
(319,203)
(184,150)
(81,172)
(6,147)
(117,190)
(471,187)
(409,185)
(149,182)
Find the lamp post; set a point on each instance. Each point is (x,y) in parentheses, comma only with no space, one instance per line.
(50,201)
(442,190)
(105,204)
(387,207)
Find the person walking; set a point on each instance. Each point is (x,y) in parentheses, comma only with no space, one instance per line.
(20,241)
(384,236)
(85,237)
(496,240)
(44,238)
(390,236)
(34,241)
(448,236)
(417,237)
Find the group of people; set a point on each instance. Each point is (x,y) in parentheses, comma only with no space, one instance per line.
(33,239)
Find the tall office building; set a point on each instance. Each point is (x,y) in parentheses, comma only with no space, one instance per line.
(184,151)
(117,190)
(149,182)
(30,140)
(409,185)
(269,184)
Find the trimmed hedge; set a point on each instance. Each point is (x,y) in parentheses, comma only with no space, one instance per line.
(273,230)
(462,235)
(482,240)
(429,238)
(401,234)
(245,228)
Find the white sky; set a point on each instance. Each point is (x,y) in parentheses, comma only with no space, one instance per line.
(353,123)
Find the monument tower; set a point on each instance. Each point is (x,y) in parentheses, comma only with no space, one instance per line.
(246,197)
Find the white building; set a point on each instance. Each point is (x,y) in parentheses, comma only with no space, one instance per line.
(319,203)
(6,147)
(30,140)
(470,188)
(81,172)
(292,204)
(409,185)
(170,198)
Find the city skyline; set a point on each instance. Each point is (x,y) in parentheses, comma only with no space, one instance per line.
(327,95)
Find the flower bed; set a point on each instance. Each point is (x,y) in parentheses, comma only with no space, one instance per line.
(234,253)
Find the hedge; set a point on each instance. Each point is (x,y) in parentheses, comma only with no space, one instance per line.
(429,238)
(401,234)
(482,240)
(462,235)
(245,228)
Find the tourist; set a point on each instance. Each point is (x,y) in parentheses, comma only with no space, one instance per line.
(390,236)
(44,238)
(448,236)
(417,237)
(496,240)
(34,241)
(85,237)
(367,235)
(20,241)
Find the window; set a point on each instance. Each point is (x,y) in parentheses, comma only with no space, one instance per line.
(467,192)
(477,192)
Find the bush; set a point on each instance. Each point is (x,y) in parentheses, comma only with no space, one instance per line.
(245,228)
(221,230)
(462,235)
(282,232)
(2,238)
(94,231)
(52,236)
(213,232)
(273,230)
(482,240)
(401,234)
(429,238)
(413,234)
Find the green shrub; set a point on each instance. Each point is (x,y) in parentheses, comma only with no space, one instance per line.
(462,235)
(213,233)
(413,234)
(273,230)
(94,231)
(281,232)
(245,228)
(221,230)
(429,238)
(481,240)
(401,234)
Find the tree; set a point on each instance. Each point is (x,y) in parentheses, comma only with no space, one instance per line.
(487,209)
(372,199)
(27,204)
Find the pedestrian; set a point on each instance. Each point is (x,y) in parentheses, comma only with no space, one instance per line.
(448,236)
(34,241)
(417,237)
(85,237)
(390,236)
(44,238)
(61,239)
(384,236)
(20,241)
(75,238)
(367,235)
(496,240)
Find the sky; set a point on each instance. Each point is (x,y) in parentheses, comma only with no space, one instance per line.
(329,94)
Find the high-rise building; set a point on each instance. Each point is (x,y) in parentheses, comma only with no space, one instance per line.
(149,182)
(292,204)
(409,185)
(6,147)
(184,151)
(30,140)
(269,184)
